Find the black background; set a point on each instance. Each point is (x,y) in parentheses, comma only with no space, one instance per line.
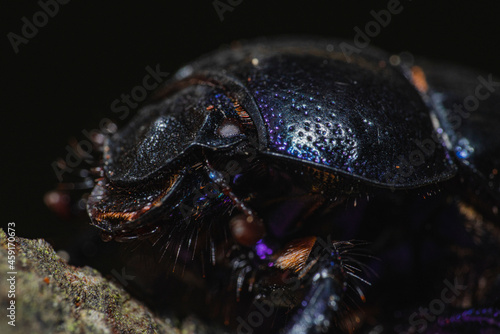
(65,78)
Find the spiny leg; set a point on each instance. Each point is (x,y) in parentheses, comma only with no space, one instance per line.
(310,276)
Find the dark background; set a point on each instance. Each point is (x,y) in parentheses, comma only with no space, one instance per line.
(65,78)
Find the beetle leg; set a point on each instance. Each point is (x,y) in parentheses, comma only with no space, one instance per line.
(247,228)
(328,275)
(218,178)
(327,287)
(321,303)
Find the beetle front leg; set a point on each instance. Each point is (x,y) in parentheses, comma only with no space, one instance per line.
(326,276)
(247,228)
(316,275)
(320,305)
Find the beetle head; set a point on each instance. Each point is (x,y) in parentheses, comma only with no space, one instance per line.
(156,163)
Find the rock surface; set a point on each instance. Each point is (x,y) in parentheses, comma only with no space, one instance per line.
(54,297)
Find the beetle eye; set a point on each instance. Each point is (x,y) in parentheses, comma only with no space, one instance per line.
(229,128)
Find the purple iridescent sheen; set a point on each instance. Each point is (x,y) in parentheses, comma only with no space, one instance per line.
(487,317)
(262,249)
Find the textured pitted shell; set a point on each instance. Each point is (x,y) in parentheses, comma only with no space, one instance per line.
(358,115)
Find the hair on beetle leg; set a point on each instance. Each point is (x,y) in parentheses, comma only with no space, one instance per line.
(316,279)
(333,276)
(186,240)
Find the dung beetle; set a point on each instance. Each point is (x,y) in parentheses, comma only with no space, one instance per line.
(320,190)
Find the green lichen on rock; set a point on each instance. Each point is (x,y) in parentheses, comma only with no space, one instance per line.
(54,297)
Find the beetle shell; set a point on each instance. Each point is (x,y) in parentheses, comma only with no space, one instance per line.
(468,105)
(357,116)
